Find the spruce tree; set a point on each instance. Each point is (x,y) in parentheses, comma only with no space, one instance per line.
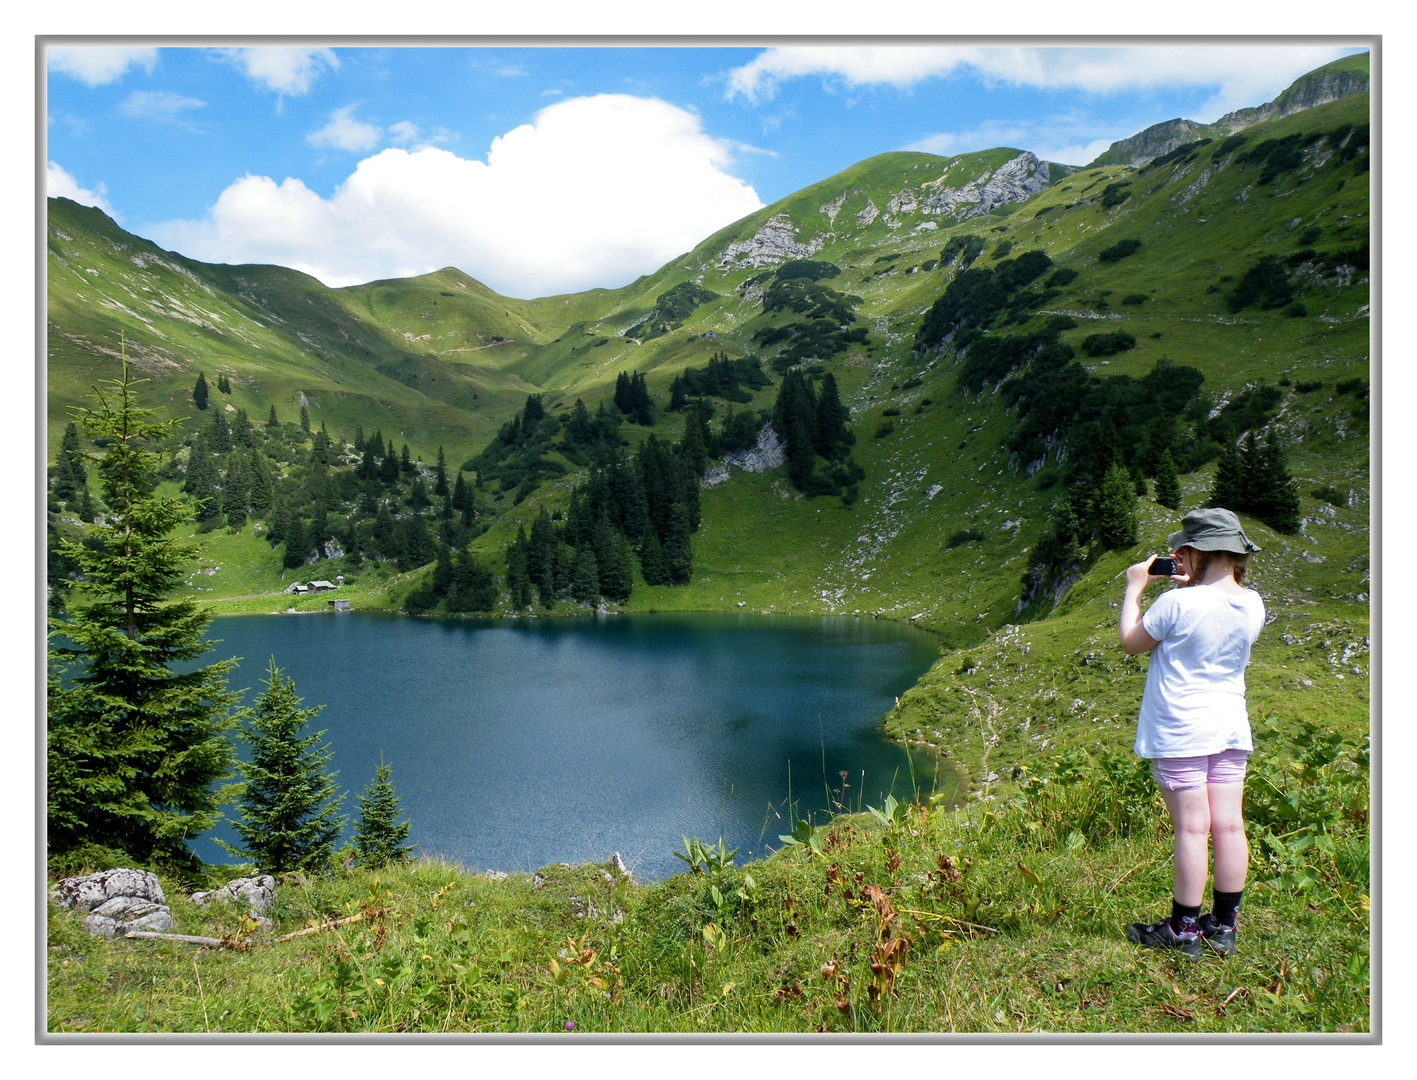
(305,419)
(220,435)
(1116,508)
(200,393)
(271,421)
(297,543)
(1275,499)
(262,484)
(1168,484)
(137,733)
(70,476)
(440,477)
(678,558)
(585,579)
(236,493)
(612,558)
(378,839)
(1228,488)
(290,817)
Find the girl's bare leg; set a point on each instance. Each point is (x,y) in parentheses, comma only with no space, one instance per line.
(1190,812)
(1227,834)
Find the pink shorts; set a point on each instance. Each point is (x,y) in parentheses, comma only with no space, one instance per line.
(1185,773)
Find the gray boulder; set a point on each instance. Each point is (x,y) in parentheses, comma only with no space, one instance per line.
(257,893)
(115,902)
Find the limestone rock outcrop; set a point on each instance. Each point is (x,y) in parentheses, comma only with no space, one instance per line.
(115,902)
(775,242)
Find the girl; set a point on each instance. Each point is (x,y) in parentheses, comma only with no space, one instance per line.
(1193,725)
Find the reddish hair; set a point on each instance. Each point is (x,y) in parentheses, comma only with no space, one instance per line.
(1238,564)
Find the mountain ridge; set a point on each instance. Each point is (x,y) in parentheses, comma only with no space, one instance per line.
(1339,79)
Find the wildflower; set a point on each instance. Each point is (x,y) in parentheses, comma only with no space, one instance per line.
(570,1025)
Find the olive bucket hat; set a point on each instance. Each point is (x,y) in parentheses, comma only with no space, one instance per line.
(1211,529)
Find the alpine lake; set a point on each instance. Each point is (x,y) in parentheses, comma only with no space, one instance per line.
(516,743)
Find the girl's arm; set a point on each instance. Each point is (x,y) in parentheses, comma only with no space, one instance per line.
(1134,639)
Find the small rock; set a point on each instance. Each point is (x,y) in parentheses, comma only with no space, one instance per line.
(495,875)
(258,894)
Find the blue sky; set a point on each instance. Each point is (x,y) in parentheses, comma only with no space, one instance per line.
(544,170)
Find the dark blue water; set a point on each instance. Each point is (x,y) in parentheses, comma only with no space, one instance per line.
(519,743)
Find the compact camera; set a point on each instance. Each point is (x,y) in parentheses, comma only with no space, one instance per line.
(1162,566)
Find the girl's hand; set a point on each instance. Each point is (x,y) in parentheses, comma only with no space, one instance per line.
(1138,578)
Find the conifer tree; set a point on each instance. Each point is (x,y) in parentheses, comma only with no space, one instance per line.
(241,433)
(271,421)
(201,482)
(1275,498)
(305,419)
(652,565)
(378,840)
(474,586)
(297,543)
(585,580)
(518,581)
(612,558)
(70,476)
(1252,481)
(262,485)
(220,436)
(1168,484)
(290,817)
(200,393)
(1116,508)
(678,558)
(1228,487)
(136,747)
(236,493)
(440,477)
(833,436)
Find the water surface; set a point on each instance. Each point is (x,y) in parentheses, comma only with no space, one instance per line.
(517,743)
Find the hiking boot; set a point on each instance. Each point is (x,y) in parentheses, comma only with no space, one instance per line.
(1219,937)
(1159,935)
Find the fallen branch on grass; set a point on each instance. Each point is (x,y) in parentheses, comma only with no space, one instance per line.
(230,943)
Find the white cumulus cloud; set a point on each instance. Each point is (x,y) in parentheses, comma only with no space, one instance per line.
(58,183)
(346,133)
(95,65)
(286,69)
(594,192)
(1241,74)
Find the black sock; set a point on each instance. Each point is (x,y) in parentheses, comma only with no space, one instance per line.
(1183,917)
(1226,907)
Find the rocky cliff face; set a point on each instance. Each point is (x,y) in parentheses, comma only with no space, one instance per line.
(1153,142)
(1013,181)
(1319,88)
(775,242)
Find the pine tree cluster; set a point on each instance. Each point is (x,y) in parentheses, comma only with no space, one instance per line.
(645,506)
(721,378)
(632,398)
(1253,478)
(814,425)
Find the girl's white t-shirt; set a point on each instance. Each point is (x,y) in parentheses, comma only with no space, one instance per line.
(1194,700)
